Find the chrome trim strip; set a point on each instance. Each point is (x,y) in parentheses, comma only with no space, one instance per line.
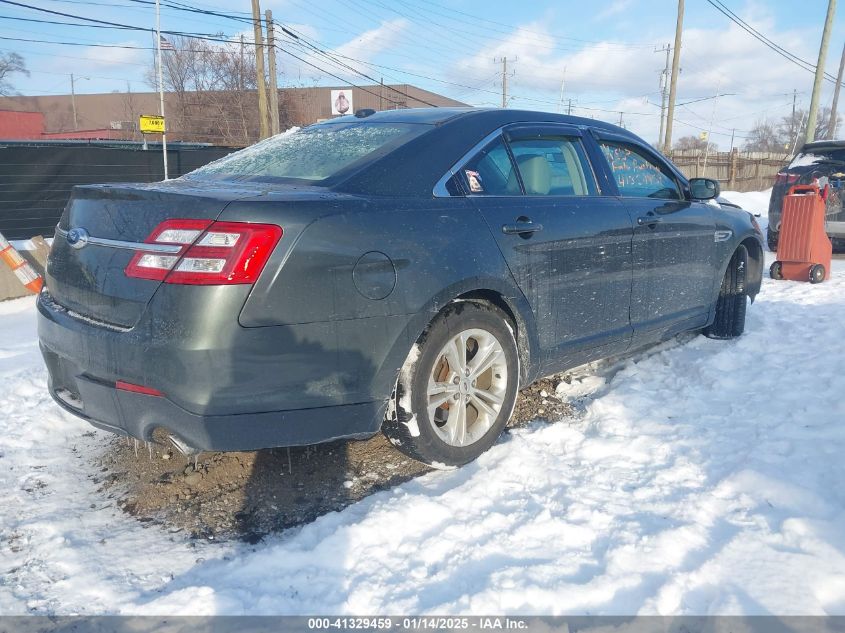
(131,246)
(440,190)
(722,236)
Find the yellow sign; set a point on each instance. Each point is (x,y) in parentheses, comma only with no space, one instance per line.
(152,124)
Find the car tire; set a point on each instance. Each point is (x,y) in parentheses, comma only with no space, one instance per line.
(733,299)
(772,239)
(776,271)
(817,274)
(447,407)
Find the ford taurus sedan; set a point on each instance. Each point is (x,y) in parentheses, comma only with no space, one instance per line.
(403,271)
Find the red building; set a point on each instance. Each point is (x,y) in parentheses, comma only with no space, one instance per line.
(30,126)
(21,125)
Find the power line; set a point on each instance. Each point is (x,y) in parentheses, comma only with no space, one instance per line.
(733,17)
(196,36)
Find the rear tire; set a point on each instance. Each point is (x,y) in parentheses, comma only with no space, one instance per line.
(772,239)
(733,299)
(776,271)
(458,387)
(817,274)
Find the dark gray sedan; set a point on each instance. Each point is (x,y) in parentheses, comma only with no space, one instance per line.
(405,271)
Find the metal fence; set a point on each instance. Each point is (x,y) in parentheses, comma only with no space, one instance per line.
(735,171)
(36,177)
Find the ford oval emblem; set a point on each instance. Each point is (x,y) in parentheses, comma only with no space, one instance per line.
(77,238)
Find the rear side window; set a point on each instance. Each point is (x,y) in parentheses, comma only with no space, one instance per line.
(637,175)
(491,172)
(552,167)
(315,153)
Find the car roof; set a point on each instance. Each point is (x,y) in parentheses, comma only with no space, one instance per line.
(840,144)
(496,116)
(413,168)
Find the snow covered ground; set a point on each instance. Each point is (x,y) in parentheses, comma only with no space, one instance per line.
(704,477)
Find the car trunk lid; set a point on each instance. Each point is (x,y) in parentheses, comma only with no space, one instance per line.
(89,279)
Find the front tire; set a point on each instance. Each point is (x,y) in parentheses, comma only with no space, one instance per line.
(733,299)
(458,387)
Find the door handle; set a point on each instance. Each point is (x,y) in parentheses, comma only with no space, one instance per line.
(521,227)
(649,219)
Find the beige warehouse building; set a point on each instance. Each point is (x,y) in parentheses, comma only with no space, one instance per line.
(220,118)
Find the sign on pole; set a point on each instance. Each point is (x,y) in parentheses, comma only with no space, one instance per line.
(342,102)
(151,124)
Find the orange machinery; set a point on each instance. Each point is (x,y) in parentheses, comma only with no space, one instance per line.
(804,249)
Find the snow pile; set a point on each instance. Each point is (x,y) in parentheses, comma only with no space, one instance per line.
(700,478)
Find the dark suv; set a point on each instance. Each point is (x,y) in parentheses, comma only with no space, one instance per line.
(822,162)
(405,271)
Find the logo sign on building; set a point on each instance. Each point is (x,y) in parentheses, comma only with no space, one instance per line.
(151,124)
(342,102)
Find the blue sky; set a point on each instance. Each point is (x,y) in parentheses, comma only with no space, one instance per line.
(603,52)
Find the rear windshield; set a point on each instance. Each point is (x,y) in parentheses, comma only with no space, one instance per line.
(312,154)
(818,157)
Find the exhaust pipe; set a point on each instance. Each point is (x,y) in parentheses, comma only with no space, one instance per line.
(182,447)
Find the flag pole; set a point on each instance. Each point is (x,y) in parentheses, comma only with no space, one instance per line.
(161,87)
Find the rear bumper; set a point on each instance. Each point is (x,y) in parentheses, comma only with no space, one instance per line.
(835,229)
(138,415)
(225,387)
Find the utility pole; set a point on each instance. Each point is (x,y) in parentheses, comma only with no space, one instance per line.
(664,92)
(569,109)
(274,88)
(673,86)
(504,61)
(710,129)
(792,121)
(161,88)
(621,122)
(562,86)
(241,77)
(263,131)
(834,119)
(810,136)
(73,103)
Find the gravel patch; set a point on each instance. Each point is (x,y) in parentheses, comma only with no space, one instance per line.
(247,495)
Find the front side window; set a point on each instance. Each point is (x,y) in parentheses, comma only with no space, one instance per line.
(638,176)
(552,167)
(312,154)
(491,172)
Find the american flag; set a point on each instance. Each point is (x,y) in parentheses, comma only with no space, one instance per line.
(164,44)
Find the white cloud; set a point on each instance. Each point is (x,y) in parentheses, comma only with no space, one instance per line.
(607,76)
(617,7)
(369,43)
(362,48)
(105,58)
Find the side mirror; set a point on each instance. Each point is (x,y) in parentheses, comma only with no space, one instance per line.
(704,189)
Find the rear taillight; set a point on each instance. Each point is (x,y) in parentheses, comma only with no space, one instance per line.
(785,178)
(211,253)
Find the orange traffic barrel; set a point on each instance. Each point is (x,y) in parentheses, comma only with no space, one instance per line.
(804,249)
(23,271)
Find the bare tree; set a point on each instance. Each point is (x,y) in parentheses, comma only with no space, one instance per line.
(781,136)
(794,127)
(695,143)
(765,137)
(211,90)
(10,63)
